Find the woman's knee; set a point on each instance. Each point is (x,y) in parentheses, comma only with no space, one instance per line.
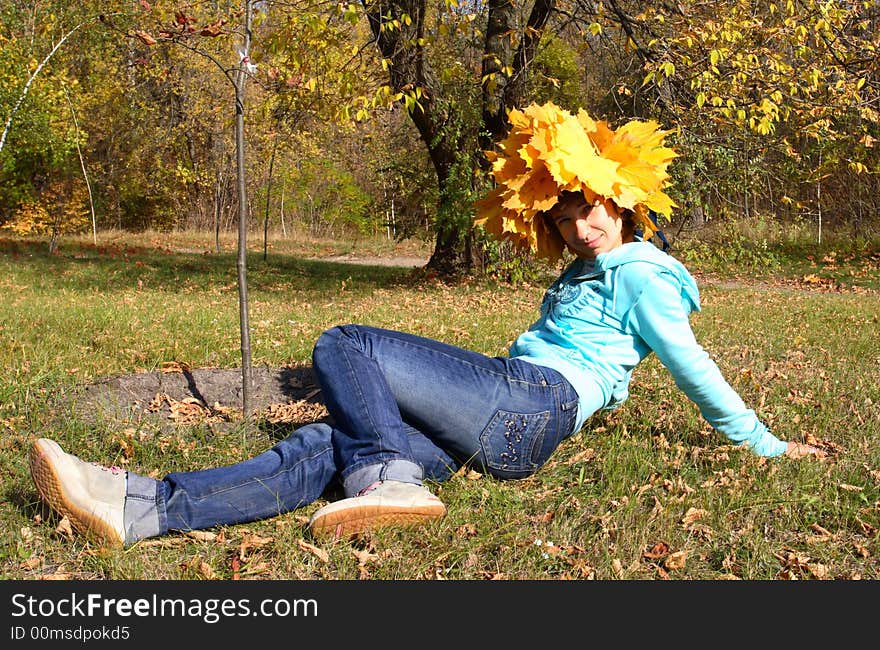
(308,440)
(331,339)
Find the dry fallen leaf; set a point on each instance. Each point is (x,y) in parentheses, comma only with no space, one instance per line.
(319,553)
(466,530)
(850,488)
(657,510)
(546,518)
(822,535)
(792,558)
(823,443)
(201,535)
(692,515)
(126,445)
(156,403)
(197,563)
(236,567)
(32,562)
(295,412)
(365,556)
(206,570)
(657,551)
(174,366)
(795,565)
(867,529)
(466,472)
(250,541)
(56,576)
(818,570)
(819,530)
(256,569)
(586,454)
(676,560)
(163,542)
(64,528)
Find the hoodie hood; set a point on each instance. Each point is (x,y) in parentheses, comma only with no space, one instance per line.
(646,253)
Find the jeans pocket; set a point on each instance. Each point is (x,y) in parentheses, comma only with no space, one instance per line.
(511,443)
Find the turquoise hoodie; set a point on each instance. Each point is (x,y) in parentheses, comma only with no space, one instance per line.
(600,319)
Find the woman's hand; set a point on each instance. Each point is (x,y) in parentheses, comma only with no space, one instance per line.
(800,450)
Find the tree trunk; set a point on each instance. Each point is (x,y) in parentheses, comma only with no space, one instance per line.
(449,258)
(435,119)
(219,192)
(268,197)
(240,78)
(82,164)
(698,217)
(283,227)
(498,48)
(500,91)
(441,123)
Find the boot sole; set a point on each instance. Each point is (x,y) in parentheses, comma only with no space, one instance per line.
(351,522)
(51,490)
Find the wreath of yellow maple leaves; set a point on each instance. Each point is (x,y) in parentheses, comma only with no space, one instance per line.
(550,150)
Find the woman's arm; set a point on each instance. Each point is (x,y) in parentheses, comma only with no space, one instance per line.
(661,320)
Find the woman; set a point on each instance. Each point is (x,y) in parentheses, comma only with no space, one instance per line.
(405,408)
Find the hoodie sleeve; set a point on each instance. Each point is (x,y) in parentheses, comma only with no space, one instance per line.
(660,318)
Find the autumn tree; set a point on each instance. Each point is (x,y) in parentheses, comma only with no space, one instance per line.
(458,101)
(289,88)
(771,99)
(184,30)
(42,188)
(774,105)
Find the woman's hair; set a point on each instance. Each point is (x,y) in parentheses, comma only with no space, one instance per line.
(629,224)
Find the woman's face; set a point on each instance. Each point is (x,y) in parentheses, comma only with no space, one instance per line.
(588,230)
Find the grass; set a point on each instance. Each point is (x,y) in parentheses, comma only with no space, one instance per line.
(646,492)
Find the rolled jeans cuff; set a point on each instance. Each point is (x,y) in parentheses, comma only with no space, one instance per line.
(401,470)
(144,512)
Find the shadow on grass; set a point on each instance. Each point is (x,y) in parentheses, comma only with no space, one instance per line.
(111,268)
(23,497)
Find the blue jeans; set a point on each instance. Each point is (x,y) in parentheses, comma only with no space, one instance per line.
(402,407)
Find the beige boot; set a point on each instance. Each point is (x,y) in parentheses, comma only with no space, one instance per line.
(384,503)
(91,496)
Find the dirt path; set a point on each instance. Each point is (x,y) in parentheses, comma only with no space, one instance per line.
(400,260)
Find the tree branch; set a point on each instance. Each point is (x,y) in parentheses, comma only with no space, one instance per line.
(27,85)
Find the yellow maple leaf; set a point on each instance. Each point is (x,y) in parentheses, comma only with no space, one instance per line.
(550,150)
(539,192)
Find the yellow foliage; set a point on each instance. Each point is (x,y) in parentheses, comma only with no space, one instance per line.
(550,150)
(62,207)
